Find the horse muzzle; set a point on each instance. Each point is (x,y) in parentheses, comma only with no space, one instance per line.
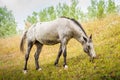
(93,58)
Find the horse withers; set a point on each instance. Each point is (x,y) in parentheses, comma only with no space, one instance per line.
(60,31)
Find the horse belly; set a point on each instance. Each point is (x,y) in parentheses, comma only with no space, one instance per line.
(48,38)
(49,42)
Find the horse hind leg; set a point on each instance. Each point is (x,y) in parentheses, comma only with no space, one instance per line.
(37,53)
(30,44)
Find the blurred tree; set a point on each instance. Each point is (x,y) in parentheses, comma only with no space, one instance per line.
(92,9)
(32,19)
(74,10)
(97,9)
(81,16)
(51,13)
(100,9)
(65,10)
(59,9)
(7,22)
(111,8)
(43,15)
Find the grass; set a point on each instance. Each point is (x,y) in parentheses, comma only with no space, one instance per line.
(106,38)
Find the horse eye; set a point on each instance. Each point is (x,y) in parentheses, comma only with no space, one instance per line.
(88,47)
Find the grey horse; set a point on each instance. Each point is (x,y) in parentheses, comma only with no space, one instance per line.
(60,30)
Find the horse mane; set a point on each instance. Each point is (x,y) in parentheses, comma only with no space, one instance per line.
(75,21)
(65,17)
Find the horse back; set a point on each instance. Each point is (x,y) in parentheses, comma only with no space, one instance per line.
(50,32)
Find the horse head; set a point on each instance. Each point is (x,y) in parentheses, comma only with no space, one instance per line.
(88,47)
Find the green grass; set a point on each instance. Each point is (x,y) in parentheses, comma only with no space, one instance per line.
(106,37)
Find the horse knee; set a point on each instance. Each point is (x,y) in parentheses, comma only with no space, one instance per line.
(65,54)
(36,57)
(26,56)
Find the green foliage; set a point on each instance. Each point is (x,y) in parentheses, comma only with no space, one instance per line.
(59,9)
(92,10)
(111,6)
(52,13)
(43,15)
(32,19)
(73,10)
(100,8)
(97,9)
(7,22)
(62,10)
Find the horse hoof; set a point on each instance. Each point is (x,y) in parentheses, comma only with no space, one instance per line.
(65,67)
(25,71)
(56,65)
(39,69)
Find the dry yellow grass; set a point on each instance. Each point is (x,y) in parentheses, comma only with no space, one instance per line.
(9,51)
(106,37)
(10,46)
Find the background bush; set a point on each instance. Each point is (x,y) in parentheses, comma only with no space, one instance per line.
(97,10)
(7,22)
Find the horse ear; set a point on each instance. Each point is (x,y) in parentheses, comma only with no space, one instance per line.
(91,36)
(85,39)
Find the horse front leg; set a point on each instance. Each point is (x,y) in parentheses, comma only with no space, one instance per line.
(65,55)
(64,49)
(58,56)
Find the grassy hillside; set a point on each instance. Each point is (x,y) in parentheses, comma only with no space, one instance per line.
(106,38)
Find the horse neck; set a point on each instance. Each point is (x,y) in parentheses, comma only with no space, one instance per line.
(80,39)
(79,34)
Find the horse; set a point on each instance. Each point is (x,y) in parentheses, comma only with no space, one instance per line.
(60,30)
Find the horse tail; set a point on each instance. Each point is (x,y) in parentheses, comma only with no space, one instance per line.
(23,41)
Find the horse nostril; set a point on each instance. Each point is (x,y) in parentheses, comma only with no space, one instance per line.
(96,56)
(92,58)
